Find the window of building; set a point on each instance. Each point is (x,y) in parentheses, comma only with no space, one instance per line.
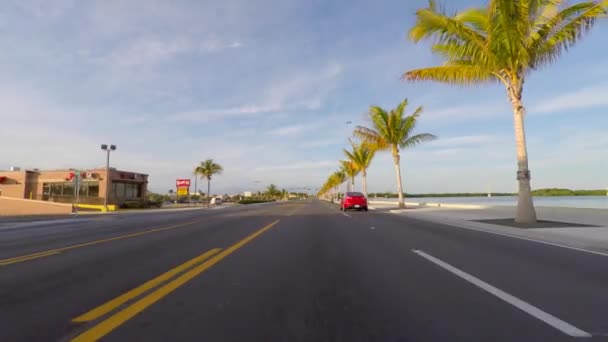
(129,190)
(56,189)
(68,189)
(94,189)
(119,190)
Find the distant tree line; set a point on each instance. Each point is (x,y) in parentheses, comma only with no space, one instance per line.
(568,192)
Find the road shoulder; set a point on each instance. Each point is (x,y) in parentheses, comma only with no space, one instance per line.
(592,239)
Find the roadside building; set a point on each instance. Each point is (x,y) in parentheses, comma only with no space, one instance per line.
(59,185)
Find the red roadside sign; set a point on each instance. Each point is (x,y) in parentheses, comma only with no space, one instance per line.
(182,183)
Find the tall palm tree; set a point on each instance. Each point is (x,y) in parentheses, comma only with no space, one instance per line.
(207,169)
(332,184)
(272,191)
(361,156)
(351,171)
(339,177)
(393,131)
(503,43)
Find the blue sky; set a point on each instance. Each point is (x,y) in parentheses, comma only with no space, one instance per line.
(266,87)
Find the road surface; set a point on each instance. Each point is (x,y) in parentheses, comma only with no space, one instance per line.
(290,271)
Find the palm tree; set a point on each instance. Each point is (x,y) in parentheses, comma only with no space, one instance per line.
(361,156)
(332,183)
(393,131)
(338,178)
(503,43)
(207,169)
(351,171)
(272,191)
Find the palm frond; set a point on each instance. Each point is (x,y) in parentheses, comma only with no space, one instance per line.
(391,130)
(564,30)
(460,37)
(349,168)
(416,140)
(452,74)
(209,168)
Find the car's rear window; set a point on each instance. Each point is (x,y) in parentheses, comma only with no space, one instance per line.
(354,194)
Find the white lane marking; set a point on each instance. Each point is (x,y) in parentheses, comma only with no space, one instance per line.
(372,227)
(527,239)
(345,214)
(553,321)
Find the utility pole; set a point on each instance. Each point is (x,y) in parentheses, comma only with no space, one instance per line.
(108,149)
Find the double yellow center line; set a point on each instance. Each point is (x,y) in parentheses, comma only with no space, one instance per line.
(196,266)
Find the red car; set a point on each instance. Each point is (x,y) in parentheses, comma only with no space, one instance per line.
(353,200)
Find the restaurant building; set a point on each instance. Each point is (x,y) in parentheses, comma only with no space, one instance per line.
(60,185)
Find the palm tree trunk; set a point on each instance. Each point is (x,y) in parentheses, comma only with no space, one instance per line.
(208,192)
(397,158)
(364,182)
(525,207)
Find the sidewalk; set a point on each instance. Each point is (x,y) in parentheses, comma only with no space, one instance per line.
(593,238)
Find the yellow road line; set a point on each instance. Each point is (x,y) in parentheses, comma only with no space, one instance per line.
(67,248)
(116,320)
(25,258)
(118,301)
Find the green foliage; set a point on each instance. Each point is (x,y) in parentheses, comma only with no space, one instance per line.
(334,180)
(142,204)
(567,192)
(208,168)
(503,41)
(272,191)
(349,168)
(392,130)
(361,156)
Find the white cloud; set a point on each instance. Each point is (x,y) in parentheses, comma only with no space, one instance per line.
(322,142)
(467,112)
(297,166)
(595,96)
(153,50)
(303,90)
(205,115)
(467,140)
(214,45)
(291,130)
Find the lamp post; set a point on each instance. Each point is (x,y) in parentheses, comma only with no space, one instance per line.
(108,149)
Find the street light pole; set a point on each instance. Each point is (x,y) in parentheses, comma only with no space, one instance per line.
(108,149)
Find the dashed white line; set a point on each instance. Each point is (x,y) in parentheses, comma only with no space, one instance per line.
(553,321)
(345,214)
(372,227)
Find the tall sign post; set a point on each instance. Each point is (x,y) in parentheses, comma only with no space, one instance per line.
(75,177)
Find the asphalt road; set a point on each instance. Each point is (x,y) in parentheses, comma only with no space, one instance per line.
(291,271)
